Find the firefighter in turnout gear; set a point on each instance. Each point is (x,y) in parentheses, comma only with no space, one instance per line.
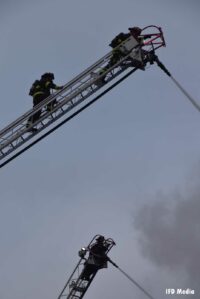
(97,259)
(116,52)
(40,90)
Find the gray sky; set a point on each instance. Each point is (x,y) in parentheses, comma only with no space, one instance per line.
(128,167)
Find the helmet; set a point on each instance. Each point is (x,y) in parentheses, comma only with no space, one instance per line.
(100,239)
(48,76)
(135,30)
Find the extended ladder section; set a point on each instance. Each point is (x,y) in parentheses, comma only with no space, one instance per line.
(76,286)
(135,53)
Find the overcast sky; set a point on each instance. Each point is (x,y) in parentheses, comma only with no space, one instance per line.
(128,167)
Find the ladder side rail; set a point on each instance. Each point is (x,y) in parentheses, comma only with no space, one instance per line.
(90,81)
(62,113)
(69,279)
(87,286)
(100,61)
(79,77)
(21,118)
(46,101)
(10,149)
(78,280)
(15,135)
(94,80)
(33,111)
(50,98)
(81,288)
(75,283)
(89,69)
(23,138)
(113,67)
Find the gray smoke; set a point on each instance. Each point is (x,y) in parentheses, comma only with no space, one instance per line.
(169,234)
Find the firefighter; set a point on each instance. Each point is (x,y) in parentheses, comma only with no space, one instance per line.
(97,258)
(135,32)
(116,52)
(40,90)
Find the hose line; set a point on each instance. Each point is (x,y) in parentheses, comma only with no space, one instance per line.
(166,71)
(194,103)
(136,283)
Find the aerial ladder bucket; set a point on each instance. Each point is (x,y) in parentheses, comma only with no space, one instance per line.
(76,286)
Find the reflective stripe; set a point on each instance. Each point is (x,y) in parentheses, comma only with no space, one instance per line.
(47,83)
(37,93)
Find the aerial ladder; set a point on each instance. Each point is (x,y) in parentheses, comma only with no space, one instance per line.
(93,258)
(79,92)
(76,286)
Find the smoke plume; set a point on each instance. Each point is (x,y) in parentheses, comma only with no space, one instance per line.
(169,234)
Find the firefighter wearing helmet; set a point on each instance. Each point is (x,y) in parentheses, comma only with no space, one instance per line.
(40,90)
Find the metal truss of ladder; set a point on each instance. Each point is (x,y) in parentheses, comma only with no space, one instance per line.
(76,287)
(74,93)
